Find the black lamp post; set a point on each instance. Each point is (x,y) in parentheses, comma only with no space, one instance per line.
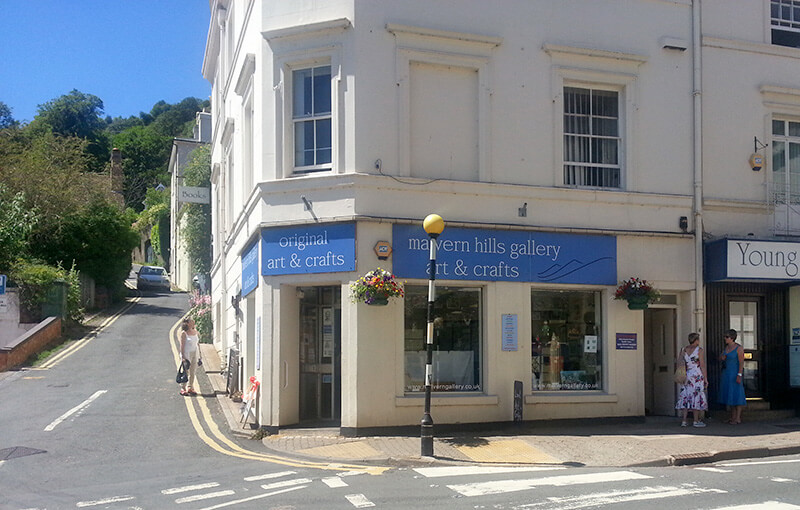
(433,225)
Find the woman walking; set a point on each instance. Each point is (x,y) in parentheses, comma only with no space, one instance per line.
(693,391)
(190,353)
(731,390)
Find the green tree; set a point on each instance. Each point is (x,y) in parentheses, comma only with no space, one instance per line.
(156,217)
(145,156)
(97,238)
(79,115)
(16,224)
(197,217)
(6,119)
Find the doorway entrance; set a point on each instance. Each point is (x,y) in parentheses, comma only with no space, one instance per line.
(743,316)
(659,357)
(320,354)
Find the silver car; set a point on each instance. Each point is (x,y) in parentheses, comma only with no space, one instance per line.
(152,277)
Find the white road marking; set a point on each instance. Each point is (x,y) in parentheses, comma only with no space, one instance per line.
(200,497)
(106,501)
(782,480)
(252,498)
(334,482)
(187,488)
(600,499)
(503,486)
(732,464)
(286,483)
(767,505)
(74,410)
(714,470)
(436,472)
(268,476)
(359,500)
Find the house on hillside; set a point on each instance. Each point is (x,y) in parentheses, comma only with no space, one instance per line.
(180,267)
(567,146)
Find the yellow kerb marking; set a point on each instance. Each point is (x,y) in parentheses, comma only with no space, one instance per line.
(512,451)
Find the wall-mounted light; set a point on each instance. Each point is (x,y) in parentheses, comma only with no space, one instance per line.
(523,211)
(683,223)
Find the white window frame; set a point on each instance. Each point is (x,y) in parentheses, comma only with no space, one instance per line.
(306,46)
(591,89)
(783,24)
(596,69)
(289,80)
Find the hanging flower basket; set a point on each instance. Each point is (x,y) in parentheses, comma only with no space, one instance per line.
(375,288)
(638,293)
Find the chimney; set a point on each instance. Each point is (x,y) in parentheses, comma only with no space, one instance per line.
(202,127)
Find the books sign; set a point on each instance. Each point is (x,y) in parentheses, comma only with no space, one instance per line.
(195,195)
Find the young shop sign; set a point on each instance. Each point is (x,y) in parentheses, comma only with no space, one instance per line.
(503,255)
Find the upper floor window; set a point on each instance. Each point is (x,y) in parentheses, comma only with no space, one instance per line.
(785,20)
(311,115)
(591,138)
(786,159)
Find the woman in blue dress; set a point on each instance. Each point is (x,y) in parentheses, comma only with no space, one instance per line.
(731,391)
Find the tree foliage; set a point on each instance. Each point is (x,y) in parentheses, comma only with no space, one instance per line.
(6,119)
(145,155)
(76,115)
(16,224)
(98,239)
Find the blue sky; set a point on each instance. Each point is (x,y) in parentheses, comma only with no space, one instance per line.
(129,53)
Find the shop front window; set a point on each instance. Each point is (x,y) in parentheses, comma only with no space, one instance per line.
(457,339)
(566,352)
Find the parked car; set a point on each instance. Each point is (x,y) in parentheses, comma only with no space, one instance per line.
(152,277)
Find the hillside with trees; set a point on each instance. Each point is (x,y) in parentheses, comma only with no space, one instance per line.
(57,207)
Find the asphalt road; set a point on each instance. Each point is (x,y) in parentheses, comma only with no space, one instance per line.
(103,426)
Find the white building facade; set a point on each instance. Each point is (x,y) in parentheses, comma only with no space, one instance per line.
(567,145)
(181,270)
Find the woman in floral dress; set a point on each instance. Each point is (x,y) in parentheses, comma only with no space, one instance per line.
(693,391)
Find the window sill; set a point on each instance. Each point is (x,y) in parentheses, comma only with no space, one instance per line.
(468,399)
(569,397)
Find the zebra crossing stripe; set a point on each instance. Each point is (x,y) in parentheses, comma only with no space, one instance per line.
(767,505)
(441,471)
(601,499)
(334,482)
(269,475)
(503,486)
(187,488)
(359,500)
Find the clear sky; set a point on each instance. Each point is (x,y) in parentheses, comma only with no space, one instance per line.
(129,53)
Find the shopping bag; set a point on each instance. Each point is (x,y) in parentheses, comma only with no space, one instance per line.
(680,374)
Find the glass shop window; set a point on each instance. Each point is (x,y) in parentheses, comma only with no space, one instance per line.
(458,342)
(566,351)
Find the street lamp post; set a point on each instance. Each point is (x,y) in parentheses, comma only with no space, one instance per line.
(433,225)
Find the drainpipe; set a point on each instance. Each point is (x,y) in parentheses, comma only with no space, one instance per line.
(699,312)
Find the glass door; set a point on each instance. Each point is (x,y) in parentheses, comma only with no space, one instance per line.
(320,354)
(744,318)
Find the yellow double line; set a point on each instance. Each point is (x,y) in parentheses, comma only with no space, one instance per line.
(80,344)
(215,439)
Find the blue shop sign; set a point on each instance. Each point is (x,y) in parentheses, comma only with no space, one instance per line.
(250,269)
(306,249)
(506,255)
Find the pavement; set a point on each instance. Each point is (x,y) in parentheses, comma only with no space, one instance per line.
(656,441)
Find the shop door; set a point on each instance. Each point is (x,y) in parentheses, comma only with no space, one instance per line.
(743,316)
(659,359)
(320,354)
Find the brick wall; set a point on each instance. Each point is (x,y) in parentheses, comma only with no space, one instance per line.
(30,343)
